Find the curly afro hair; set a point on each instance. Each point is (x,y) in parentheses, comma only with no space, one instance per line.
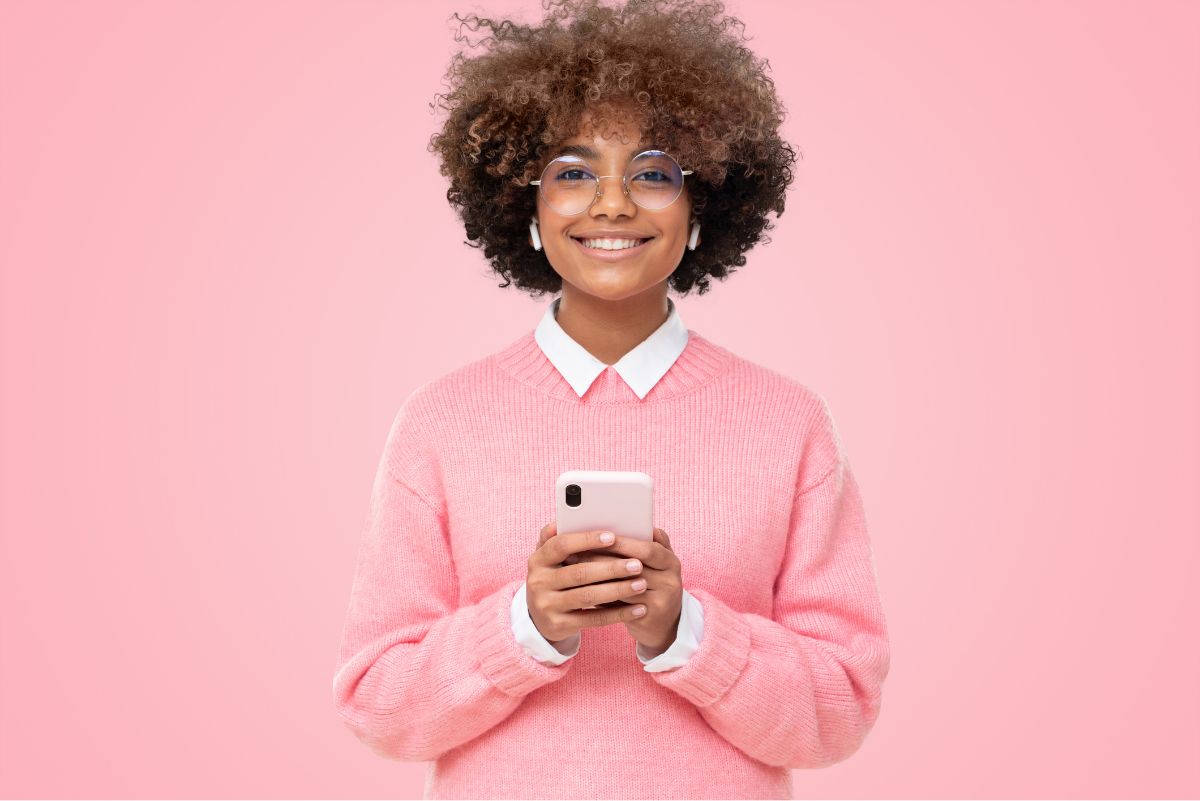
(672,67)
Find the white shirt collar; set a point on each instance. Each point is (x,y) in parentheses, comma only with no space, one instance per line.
(641,368)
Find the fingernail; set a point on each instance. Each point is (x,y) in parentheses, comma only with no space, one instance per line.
(632,565)
(607,538)
(639,611)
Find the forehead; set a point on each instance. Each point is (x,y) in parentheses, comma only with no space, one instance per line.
(620,133)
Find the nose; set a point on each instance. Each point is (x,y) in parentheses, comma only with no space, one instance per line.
(614,200)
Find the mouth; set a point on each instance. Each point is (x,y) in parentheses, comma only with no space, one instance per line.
(617,254)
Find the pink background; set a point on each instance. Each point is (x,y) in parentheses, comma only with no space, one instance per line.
(227,258)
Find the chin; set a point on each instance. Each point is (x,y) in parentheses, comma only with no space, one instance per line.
(620,288)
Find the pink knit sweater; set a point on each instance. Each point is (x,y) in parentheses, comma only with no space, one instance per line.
(764,514)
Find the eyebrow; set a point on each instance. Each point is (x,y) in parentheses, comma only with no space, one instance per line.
(590,153)
(578,150)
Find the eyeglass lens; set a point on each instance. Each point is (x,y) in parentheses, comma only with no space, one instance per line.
(654,180)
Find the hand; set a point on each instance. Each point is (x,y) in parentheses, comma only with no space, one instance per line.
(558,591)
(663,597)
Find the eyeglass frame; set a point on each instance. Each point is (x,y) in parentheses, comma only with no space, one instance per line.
(624,182)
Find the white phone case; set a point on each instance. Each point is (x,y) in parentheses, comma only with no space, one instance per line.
(620,501)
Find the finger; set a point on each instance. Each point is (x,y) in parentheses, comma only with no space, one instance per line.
(592,595)
(615,595)
(594,556)
(591,571)
(661,537)
(560,546)
(651,554)
(590,556)
(594,618)
(548,531)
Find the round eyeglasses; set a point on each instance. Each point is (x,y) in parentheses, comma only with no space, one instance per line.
(569,185)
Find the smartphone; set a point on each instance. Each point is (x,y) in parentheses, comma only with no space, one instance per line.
(620,501)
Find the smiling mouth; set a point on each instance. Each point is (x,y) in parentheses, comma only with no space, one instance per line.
(613,254)
(582,239)
(618,254)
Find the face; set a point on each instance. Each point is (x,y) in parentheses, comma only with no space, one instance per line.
(614,274)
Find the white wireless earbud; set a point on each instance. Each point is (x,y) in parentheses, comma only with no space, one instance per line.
(694,237)
(533,232)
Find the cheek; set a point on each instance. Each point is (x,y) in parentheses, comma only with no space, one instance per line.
(550,222)
(675,226)
(553,237)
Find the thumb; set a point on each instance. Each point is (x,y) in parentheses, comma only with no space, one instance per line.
(661,537)
(548,531)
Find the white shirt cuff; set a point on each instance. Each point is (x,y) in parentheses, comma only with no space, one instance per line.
(687,638)
(532,641)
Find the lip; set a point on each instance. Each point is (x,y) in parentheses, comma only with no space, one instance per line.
(613,255)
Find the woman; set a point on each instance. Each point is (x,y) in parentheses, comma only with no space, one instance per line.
(611,154)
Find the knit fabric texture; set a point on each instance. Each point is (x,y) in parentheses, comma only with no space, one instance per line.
(755,490)
(641,368)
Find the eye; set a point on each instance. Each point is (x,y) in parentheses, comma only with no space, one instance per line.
(653,172)
(579,174)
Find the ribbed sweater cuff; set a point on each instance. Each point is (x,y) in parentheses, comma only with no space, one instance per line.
(501,657)
(716,665)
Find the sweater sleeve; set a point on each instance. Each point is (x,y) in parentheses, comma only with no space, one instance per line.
(417,675)
(803,688)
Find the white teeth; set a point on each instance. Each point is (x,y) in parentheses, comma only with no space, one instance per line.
(610,244)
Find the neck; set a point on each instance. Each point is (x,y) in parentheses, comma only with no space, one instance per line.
(608,329)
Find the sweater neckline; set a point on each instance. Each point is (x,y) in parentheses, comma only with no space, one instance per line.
(701,362)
